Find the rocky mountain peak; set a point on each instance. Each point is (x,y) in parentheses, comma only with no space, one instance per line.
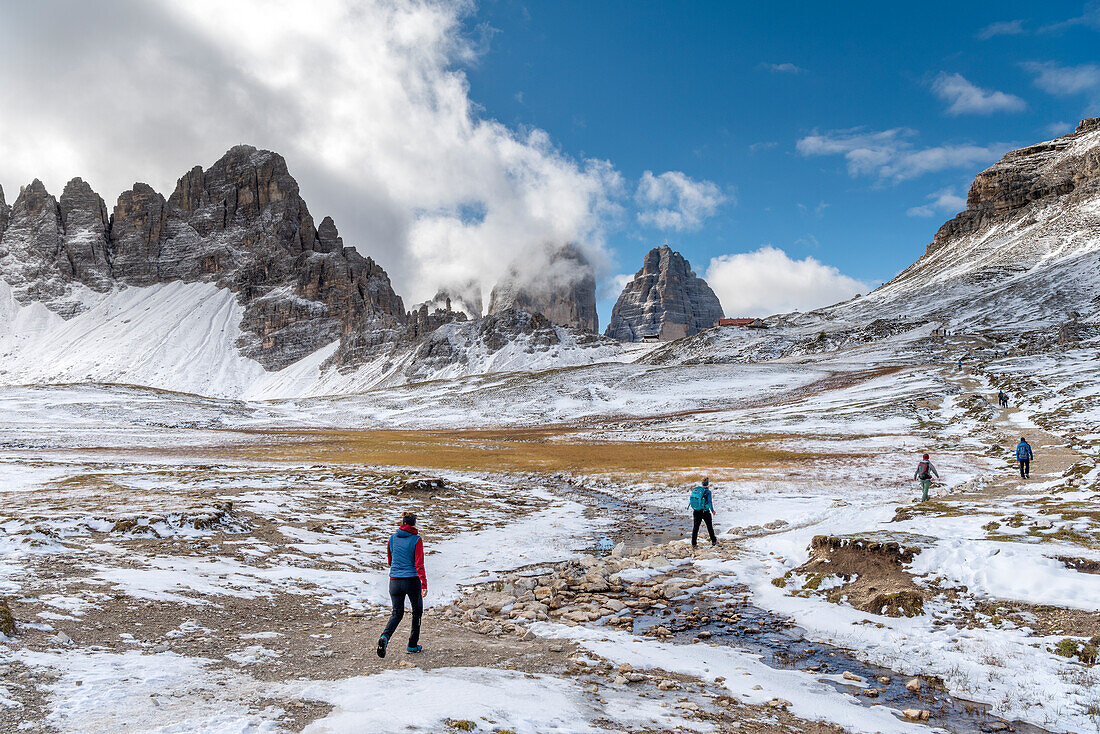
(1026,247)
(240,223)
(666,299)
(86,227)
(31,245)
(1089,123)
(556,283)
(1029,177)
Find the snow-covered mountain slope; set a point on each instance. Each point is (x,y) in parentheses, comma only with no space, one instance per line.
(1024,256)
(175,336)
(182,337)
(1027,248)
(507,342)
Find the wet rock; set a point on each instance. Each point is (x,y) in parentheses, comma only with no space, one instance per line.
(913,685)
(916,714)
(849,675)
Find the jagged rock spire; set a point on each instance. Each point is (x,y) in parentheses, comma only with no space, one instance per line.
(666,300)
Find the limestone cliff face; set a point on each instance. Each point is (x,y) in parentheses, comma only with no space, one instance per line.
(1027,248)
(666,300)
(241,224)
(1068,166)
(563,289)
(5,213)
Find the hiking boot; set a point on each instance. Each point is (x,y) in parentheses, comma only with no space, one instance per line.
(411,650)
(382,642)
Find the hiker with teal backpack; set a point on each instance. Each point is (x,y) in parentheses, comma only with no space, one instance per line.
(702,507)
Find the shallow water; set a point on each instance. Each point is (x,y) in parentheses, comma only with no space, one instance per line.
(781,644)
(778,642)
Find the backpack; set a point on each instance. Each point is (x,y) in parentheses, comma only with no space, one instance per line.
(697,501)
(923,470)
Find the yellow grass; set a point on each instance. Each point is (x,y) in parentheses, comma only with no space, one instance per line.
(516,450)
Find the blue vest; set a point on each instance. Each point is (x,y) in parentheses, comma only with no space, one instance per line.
(403,554)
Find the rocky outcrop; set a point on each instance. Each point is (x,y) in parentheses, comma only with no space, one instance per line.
(31,248)
(5,213)
(557,284)
(666,300)
(1035,174)
(46,246)
(466,298)
(240,224)
(137,231)
(1027,248)
(85,226)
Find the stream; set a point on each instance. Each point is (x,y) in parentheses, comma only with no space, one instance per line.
(730,619)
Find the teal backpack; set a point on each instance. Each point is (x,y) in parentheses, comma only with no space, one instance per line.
(697,502)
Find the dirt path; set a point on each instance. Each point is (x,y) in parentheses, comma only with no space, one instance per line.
(1053,454)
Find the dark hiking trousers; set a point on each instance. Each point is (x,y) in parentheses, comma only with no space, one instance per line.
(1025,468)
(702,516)
(399,589)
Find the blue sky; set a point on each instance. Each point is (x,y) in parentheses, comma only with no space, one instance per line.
(724,92)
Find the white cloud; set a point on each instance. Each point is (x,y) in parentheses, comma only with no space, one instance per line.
(890,154)
(1089,17)
(944,201)
(768,281)
(613,286)
(1001,28)
(672,200)
(1060,128)
(1064,80)
(368,102)
(966,98)
(784,68)
(818,210)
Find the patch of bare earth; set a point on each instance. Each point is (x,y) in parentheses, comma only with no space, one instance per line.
(875,580)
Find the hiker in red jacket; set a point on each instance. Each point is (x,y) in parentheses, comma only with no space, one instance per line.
(405,554)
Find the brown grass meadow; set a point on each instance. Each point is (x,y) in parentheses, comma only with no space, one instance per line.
(540,450)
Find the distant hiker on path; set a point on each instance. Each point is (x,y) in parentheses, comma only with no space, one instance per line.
(702,507)
(1002,398)
(1024,455)
(405,554)
(925,472)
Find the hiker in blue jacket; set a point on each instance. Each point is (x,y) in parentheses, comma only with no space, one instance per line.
(405,554)
(1024,454)
(702,507)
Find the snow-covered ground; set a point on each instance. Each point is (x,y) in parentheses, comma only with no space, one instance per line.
(165,579)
